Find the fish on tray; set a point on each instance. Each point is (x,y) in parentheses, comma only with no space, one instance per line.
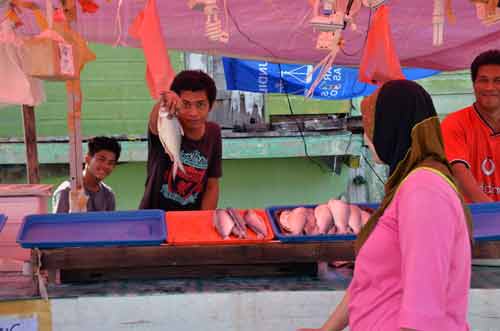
(340,211)
(355,219)
(311,227)
(324,218)
(294,221)
(223,223)
(255,223)
(239,229)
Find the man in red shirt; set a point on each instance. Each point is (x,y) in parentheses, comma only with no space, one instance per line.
(472,135)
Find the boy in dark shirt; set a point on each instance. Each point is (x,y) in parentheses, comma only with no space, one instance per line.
(190,98)
(102,156)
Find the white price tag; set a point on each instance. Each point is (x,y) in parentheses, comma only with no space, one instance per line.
(67,65)
(15,323)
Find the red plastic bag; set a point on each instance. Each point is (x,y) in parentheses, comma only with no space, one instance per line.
(380,62)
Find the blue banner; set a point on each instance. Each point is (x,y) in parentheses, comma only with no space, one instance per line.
(264,77)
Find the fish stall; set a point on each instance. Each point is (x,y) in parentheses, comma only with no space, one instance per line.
(267,268)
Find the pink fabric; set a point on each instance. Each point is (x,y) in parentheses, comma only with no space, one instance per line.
(279,30)
(414,270)
(159,71)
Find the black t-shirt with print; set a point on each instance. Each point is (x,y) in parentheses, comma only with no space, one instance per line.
(201,160)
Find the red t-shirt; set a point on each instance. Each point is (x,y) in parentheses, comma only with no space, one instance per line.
(470,140)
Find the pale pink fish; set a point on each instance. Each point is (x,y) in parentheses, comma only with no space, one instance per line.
(296,220)
(340,212)
(333,230)
(311,227)
(283,219)
(324,218)
(255,223)
(239,229)
(365,216)
(355,219)
(223,223)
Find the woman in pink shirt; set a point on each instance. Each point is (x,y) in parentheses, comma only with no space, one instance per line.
(413,259)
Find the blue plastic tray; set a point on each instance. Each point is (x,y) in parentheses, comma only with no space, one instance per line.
(94,229)
(271,212)
(3,220)
(486,219)
(485,216)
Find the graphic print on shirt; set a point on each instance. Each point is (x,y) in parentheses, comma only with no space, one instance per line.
(187,187)
(488,166)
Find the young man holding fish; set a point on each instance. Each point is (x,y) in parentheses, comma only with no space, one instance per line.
(184,157)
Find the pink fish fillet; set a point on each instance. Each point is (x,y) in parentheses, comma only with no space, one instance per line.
(355,219)
(311,227)
(223,223)
(297,220)
(324,218)
(340,212)
(255,223)
(159,70)
(365,216)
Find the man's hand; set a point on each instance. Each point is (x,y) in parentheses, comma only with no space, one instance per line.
(170,103)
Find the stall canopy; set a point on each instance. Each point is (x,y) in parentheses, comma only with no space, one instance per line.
(279,30)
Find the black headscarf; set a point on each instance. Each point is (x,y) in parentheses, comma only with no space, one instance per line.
(401,104)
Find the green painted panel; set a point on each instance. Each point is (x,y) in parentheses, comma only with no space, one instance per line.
(266,182)
(245,183)
(278,105)
(240,148)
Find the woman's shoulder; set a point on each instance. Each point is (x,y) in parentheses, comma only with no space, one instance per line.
(429,181)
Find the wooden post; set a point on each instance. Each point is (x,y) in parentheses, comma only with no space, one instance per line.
(31,146)
(78,202)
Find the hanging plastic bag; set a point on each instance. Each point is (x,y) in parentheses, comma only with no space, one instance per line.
(380,62)
(16,88)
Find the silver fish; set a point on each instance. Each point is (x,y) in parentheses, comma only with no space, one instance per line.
(170,133)
(223,223)
(255,223)
(240,229)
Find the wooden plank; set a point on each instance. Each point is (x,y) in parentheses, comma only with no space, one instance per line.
(155,256)
(29,126)
(206,271)
(123,257)
(486,250)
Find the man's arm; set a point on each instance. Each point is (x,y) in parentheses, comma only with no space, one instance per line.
(153,119)
(211,195)
(468,184)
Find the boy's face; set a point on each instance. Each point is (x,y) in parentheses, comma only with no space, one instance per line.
(194,109)
(101,164)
